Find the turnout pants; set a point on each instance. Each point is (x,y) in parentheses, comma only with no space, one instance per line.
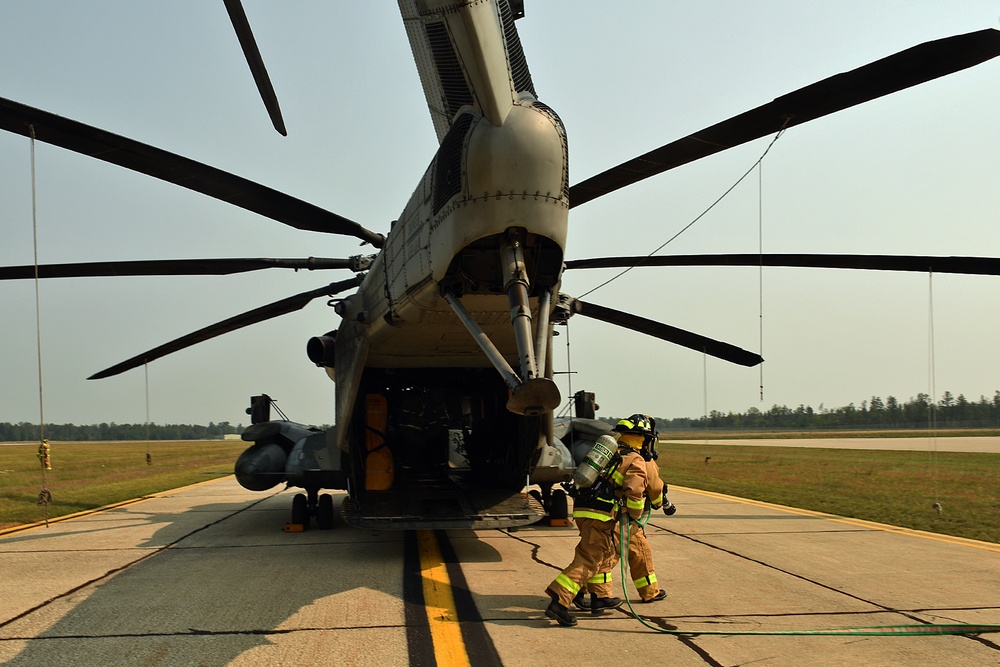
(592,551)
(640,565)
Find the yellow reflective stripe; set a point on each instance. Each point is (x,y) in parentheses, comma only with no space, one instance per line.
(583,513)
(601,578)
(568,584)
(648,580)
(617,477)
(658,500)
(636,504)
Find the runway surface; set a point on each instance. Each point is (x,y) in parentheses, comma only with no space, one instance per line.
(205,576)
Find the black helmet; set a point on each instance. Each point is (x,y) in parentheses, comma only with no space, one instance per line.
(636,424)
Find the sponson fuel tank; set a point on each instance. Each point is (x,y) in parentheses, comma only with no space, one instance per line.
(285,451)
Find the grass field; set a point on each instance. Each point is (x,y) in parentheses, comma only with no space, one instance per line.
(724,434)
(893,487)
(86,475)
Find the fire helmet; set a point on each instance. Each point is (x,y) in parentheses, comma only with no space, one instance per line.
(637,424)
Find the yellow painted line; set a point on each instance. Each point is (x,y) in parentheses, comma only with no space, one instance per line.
(859,523)
(97,510)
(439,601)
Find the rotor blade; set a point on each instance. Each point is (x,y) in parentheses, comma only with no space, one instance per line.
(252,53)
(986,266)
(668,333)
(86,140)
(174,267)
(272,310)
(905,69)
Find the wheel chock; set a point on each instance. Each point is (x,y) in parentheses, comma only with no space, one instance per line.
(294,528)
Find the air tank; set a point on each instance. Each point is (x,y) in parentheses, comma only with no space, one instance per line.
(597,459)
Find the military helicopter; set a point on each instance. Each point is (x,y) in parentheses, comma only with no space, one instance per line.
(443,356)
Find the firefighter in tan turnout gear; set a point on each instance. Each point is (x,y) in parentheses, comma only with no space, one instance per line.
(617,475)
(595,508)
(638,432)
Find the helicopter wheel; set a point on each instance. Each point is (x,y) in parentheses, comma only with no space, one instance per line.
(324,512)
(558,507)
(300,510)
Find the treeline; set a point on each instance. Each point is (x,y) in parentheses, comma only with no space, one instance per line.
(918,412)
(24,431)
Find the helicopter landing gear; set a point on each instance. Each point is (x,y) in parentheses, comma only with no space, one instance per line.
(553,502)
(311,504)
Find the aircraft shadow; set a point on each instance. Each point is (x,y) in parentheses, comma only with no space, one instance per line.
(224,589)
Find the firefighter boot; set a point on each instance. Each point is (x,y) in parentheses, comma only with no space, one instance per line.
(598,605)
(659,596)
(559,613)
(581,602)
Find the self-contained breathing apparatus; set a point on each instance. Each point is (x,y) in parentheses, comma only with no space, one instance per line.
(592,478)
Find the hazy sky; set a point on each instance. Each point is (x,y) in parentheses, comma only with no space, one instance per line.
(914,173)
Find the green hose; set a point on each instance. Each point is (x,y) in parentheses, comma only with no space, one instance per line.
(625,536)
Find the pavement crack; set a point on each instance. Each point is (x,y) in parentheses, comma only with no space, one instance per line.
(535,548)
(909,614)
(195,632)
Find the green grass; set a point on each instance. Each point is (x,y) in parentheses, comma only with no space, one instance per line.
(771,434)
(86,475)
(893,487)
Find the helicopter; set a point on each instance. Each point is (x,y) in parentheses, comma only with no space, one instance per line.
(442,360)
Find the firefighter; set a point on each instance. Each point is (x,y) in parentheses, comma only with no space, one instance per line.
(595,514)
(641,436)
(637,434)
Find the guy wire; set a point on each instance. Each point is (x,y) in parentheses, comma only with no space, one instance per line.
(931,379)
(697,218)
(760,271)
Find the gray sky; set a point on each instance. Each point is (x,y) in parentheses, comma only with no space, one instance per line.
(915,173)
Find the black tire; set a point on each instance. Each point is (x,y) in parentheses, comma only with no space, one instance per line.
(558,507)
(300,510)
(324,512)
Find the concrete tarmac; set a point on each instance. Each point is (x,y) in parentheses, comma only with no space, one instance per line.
(205,576)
